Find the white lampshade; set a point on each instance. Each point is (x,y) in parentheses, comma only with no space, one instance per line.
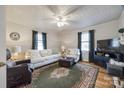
(16,49)
(121,40)
(62,47)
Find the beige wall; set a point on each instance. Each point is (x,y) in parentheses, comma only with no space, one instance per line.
(24,19)
(25,36)
(102,31)
(2,47)
(25,40)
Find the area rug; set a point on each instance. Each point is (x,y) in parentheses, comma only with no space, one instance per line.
(78,76)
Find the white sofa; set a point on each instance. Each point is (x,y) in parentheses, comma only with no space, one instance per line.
(41,57)
(44,57)
(75,53)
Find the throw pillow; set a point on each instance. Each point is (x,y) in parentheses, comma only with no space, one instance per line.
(32,54)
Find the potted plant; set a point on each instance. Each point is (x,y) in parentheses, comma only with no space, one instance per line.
(2,64)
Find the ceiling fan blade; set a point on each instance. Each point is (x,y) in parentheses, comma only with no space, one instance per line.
(72,22)
(53,8)
(46,19)
(54,22)
(73,9)
(66,23)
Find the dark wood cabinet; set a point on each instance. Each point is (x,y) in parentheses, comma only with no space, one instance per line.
(68,62)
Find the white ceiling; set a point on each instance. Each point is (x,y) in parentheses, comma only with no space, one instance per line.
(77,16)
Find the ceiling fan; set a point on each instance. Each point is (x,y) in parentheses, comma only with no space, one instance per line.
(61,21)
(61,14)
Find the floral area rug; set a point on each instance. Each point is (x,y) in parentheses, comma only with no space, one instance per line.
(78,76)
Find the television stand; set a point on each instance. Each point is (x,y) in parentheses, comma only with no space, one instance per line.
(118,56)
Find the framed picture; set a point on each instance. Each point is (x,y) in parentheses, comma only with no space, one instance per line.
(15,36)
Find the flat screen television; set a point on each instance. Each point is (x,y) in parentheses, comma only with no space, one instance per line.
(108,44)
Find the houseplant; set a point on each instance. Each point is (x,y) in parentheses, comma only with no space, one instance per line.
(2,64)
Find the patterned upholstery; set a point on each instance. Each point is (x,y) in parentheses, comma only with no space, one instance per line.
(74,53)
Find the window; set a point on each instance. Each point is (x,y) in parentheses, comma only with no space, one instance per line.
(85,41)
(40,42)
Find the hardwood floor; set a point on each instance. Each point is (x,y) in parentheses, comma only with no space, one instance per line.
(103,79)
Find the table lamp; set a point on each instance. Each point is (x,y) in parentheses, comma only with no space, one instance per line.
(16,50)
(121,31)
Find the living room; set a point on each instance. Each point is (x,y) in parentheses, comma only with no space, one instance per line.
(43,36)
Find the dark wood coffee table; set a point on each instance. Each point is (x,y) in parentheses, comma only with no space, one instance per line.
(66,62)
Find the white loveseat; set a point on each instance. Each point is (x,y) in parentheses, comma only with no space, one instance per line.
(75,53)
(41,57)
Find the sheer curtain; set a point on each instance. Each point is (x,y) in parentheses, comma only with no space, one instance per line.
(85,46)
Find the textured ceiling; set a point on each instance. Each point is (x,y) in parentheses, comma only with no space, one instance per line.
(76,16)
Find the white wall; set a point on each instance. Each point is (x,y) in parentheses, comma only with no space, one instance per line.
(25,40)
(53,41)
(121,20)
(102,31)
(2,47)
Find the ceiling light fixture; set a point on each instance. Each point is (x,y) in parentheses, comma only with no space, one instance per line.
(60,21)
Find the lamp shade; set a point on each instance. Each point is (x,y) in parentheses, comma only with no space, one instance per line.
(122,40)
(122,36)
(62,47)
(16,49)
(121,30)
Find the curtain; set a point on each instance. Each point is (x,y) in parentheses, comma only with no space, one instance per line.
(44,35)
(79,44)
(34,39)
(91,46)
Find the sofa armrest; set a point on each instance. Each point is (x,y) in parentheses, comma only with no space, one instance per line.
(26,61)
(114,66)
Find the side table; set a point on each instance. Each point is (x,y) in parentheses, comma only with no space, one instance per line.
(66,62)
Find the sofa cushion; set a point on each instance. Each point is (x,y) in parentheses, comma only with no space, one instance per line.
(116,63)
(53,56)
(57,55)
(46,52)
(32,54)
(36,60)
(46,58)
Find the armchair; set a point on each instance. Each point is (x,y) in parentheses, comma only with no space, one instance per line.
(74,53)
(115,68)
(18,74)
